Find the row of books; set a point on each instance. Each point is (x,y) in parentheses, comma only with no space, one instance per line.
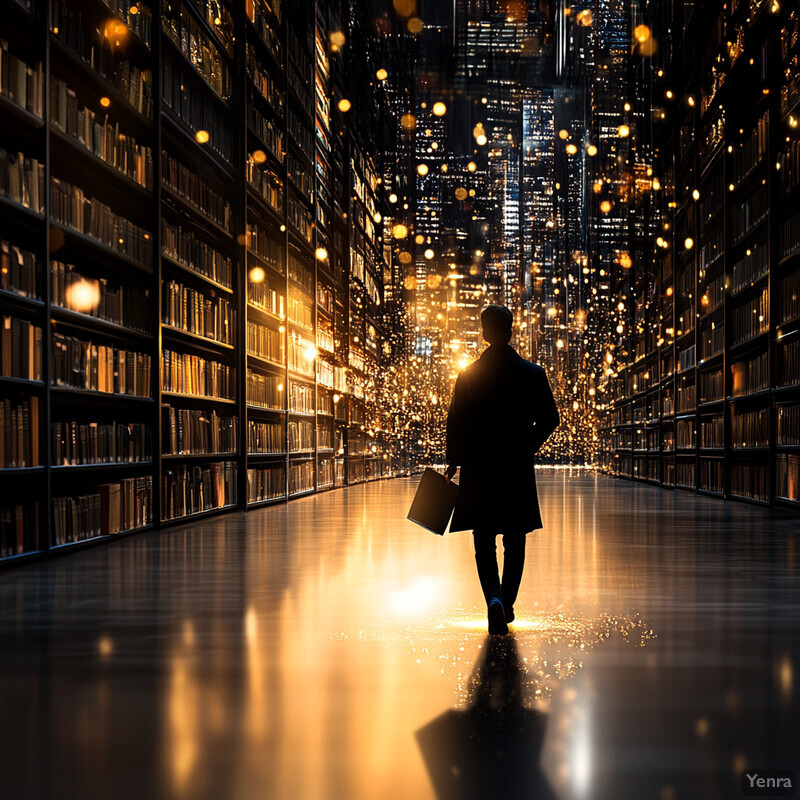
(325,473)
(750,428)
(301,476)
(788,419)
(750,376)
(19,433)
(265,342)
(266,182)
(790,297)
(83,37)
(268,132)
(300,218)
(712,475)
(301,134)
(22,180)
(189,431)
(203,314)
(266,483)
(684,433)
(325,403)
(112,508)
(750,268)
(789,169)
(20,349)
(19,529)
(301,177)
(301,398)
(194,375)
(747,215)
(787,476)
(183,93)
(81,364)
(712,386)
(191,187)
(713,295)
(21,83)
(136,16)
(122,304)
(265,391)
(263,82)
(750,319)
(712,432)
(197,47)
(302,355)
(749,154)
(77,443)
(260,13)
(265,437)
(18,270)
(301,435)
(324,369)
(100,135)
(789,363)
(193,489)
(264,245)
(300,312)
(266,298)
(750,480)
(184,247)
(712,248)
(71,207)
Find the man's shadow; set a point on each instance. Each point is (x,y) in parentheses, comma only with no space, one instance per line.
(492,748)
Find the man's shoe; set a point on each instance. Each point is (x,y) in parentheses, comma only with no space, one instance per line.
(497,619)
(509,612)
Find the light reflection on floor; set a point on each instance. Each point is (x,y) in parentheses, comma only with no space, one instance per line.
(326,648)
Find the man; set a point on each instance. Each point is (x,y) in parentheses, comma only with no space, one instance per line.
(501,413)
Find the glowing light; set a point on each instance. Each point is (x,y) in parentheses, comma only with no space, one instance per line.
(259,156)
(642,33)
(669,94)
(392,198)
(422,169)
(472,166)
(408,121)
(105,102)
(624,131)
(584,18)
(415,25)
(344,105)
(481,140)
(377,217)
(429,254)
(83,295)
(688,243)
(381,74)
(591,150)
(461,193)
(572,149)
(257,275)
(439,109)
(337,40)
(696,194)
(605,206)
(321,254)
(400,231)
(310,352)
(656,184)
(563,134)
(202,136)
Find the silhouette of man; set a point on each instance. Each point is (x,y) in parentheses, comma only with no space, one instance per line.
(501,413)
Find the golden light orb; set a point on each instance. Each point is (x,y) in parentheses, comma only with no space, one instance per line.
(400,231)
(422,169)
(591,150)
(259,156)
(642,33)
(439,109)
(321,254)
(429,254)
(105,102)
(344,105)
(257,275)
(83,295)
(202,136)
(624,131)
(472,166)
(381,74)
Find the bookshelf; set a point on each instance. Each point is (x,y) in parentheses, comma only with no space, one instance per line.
(725,274)
(182,331)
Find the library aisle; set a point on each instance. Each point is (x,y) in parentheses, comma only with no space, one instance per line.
(330,649)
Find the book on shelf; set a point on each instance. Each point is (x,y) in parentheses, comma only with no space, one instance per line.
(300,311)
(268,131)
(264,296)
(790,297)
(259,12)
(194,375)
(265,437)
(789,167)
(186,249)
(76,443)
(325,436)
(71,207)
(301,435)
(19,269)
(265,342)
(747,215)
(750,268)
(712,432)
(99,134)
(301,476)
(750,480)
(20,349)
(266,483)
(301,398)
(265,391)
(197,47)
(750,428)
(19,529)
(790,236)
(19,433)
(189,431)
(750,376)
(325,473)
(302,179)
(81,364)
(110,509)
(712,474)
(788,425)
(302,355)
(193,489)
(123,304)
(22,180)
(264,83)
(684,433)
(787,476)
(301,272)
(324,369)
(184,93)
(265,181)
(749,154)
(203,314)
(265,246)
(712,386)
(186,183)
(300,218)
(750,319)
(789,363)
(87,40)
(21,83)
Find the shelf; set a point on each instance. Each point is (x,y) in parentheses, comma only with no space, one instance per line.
(28,303)
(256,456)
(9,107)
(86,321)
(198,398)
(226,104)
(71,391)
(95,539)
(195,338)
(113,465)
(264,410)
(267,314)
(199,456)
(194,273)
(198,514)
(20,383)
(99,248)
(265,362)
(267,501)
(190,210)
(19,213)
(177,127)
(7,472)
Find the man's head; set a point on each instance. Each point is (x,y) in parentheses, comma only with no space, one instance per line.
(496,324)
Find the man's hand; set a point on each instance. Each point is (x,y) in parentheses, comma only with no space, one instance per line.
(450,472)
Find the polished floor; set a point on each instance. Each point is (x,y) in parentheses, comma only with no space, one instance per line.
(328,649)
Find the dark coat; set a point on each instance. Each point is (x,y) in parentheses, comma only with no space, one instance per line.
(501,413)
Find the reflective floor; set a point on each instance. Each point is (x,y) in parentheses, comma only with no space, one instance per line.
(329,649)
